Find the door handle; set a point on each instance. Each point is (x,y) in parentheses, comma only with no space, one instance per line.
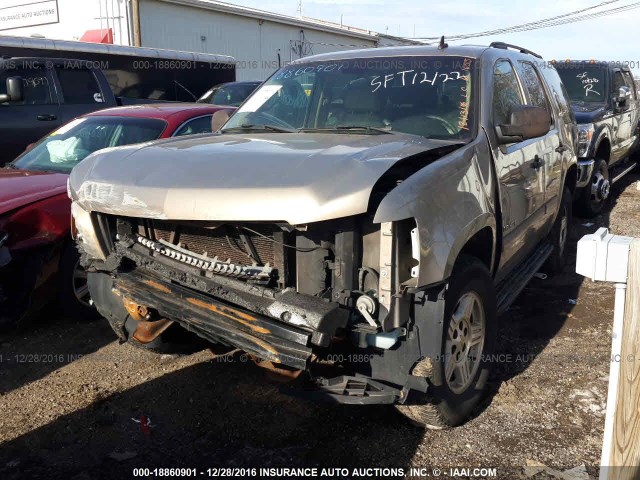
(561,148)
(537,162)
(47,117)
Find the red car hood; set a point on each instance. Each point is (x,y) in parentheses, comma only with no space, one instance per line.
(19,188)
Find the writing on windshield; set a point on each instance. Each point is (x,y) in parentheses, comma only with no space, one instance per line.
(584,83)
(424,95)
(588,84)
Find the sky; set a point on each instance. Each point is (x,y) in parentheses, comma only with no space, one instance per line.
(613,37)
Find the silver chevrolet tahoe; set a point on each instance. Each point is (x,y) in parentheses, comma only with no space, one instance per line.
(359,223)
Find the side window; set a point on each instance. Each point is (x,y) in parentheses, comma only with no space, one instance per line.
(79,86)
(35,84)
(618,81)
(533,85)
(195,125)
(630,83)
(506,91)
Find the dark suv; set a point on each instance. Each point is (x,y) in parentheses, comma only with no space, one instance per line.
(605,102)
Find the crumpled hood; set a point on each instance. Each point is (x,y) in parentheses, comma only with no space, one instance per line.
(19,188)
(296,178)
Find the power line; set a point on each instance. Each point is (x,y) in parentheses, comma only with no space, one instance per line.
(566,18)
(595,15)
(525,26)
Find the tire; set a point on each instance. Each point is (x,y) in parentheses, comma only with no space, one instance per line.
(452,397)
(594,196)
(559,235)
(74,291)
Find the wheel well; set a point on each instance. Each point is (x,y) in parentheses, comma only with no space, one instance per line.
(480,245)
(604,150)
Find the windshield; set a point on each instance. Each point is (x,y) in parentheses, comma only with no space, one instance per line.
(428,96)
(230,94)
(70,144)
(583,83)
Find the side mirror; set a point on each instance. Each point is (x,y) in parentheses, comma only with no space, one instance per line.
(14,90)
(218,119)
(624,94)
(525,122)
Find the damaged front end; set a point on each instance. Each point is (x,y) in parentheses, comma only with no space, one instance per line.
(336,296)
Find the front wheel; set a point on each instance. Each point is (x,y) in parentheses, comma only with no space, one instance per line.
(458,378)
(594,196)
(74,299)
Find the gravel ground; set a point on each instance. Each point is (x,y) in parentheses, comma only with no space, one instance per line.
(74,403)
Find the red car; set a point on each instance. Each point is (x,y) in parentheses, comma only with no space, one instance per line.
(38,259)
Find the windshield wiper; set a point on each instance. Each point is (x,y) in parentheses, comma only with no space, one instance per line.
(348,128)
(10,166)
(271,128)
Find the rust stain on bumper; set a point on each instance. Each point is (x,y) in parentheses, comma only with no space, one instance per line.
(233,314)
(137,312)
(157,286)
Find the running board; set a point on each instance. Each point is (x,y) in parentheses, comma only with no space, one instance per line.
(509,288)
(623,173)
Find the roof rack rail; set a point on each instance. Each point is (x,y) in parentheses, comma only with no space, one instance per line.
(506,46)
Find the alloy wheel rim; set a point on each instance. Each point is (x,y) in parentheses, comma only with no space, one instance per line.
(600,186)
(465,342)
(80,285)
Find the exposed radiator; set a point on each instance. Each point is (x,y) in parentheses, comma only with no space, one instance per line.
(224,241)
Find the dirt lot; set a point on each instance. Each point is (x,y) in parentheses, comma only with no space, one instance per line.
(72,398)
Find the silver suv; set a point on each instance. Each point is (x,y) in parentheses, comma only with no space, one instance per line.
(363,217)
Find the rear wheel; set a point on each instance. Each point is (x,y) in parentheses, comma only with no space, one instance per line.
(458,378)
(595,194)
(559,235)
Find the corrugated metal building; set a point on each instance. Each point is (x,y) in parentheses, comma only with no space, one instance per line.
(260,41)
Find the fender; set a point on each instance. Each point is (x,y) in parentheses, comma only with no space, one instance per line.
(450,199)
(38,224)
(601,133)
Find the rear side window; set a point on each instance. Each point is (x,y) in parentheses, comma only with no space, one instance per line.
(556,92)
(195,125)
(79,86)
(35,85)
(533,85)
(506,92)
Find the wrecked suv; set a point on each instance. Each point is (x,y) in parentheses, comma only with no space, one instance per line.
(363,217)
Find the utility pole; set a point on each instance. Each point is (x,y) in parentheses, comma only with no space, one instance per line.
(135,11)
